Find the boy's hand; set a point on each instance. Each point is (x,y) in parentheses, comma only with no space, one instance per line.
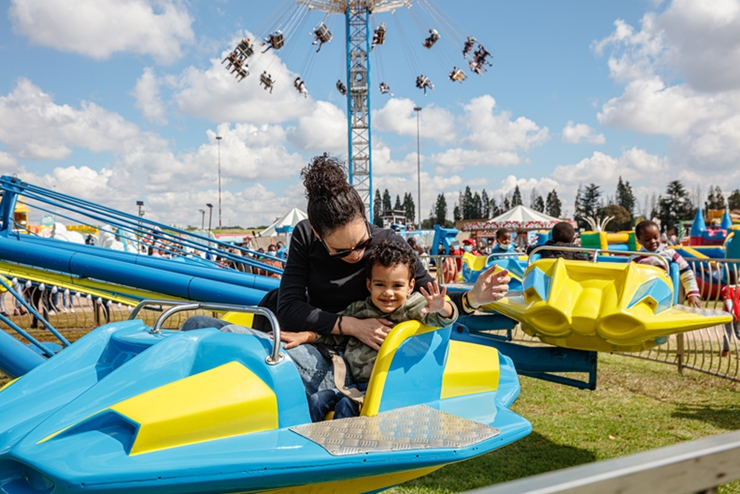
(695,301)
(435,298)
(292,340)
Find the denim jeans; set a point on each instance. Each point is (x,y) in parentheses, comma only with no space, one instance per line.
(316,371)
(324,401)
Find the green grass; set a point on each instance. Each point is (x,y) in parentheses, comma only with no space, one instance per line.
(638,405)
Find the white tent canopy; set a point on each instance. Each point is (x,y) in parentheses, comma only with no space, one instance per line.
(294,216)
(518,218)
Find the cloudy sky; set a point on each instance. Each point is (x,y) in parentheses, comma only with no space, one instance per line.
(121,100)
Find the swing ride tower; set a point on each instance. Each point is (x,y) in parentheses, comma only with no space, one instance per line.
(357,14)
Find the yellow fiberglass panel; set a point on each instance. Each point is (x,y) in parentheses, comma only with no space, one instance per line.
(9,383)
(358,485)
(228,400)
(475,263)
(400,333)
(239,318)
(470,369)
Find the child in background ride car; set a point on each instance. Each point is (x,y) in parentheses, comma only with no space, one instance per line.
(503,242)
(648,234)
(390,280)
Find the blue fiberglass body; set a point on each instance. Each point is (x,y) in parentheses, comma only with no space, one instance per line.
(124,410)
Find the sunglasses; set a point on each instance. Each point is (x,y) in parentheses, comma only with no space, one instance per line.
(345,252)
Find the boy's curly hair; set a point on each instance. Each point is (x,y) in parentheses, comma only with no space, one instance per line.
(391,253)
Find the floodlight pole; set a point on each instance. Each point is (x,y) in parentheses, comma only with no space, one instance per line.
(210,217)
(202,219)
(417,109)
(218,138)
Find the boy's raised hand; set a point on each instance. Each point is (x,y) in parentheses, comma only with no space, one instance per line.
(435,298)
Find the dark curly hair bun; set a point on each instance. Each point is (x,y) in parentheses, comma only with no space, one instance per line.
(332,202)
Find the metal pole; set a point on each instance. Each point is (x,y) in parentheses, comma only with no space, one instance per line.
(417,109)
(210,217)
(202,219)
(218,138)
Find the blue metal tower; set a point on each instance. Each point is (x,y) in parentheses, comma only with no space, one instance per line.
(357,13)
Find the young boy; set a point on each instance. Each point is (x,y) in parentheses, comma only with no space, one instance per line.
(648,234)
(390,268)
(563,234)
(503,242)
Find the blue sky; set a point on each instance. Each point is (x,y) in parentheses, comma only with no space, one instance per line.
(117,101)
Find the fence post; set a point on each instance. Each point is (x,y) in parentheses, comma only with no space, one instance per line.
(680,352)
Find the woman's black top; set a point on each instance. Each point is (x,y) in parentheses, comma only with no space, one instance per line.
(314,287)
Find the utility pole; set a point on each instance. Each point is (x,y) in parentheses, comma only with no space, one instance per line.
(417,109)
(218,138)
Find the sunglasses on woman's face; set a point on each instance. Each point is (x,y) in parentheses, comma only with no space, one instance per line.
(345,252)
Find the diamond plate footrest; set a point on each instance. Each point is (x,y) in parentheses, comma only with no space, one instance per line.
(415,427)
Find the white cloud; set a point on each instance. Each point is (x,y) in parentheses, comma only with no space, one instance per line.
(634,164)
(100,28)
(398,116)
(143,166)
(572,134)
(493,138)
(32,126)
(323,130)
(147,97)
(681,72)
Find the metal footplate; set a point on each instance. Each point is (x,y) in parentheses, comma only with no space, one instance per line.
(415,427)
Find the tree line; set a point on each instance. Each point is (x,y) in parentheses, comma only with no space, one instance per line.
(677,204)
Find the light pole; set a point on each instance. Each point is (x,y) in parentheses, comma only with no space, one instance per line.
(417,109)
(202,219)
(218,138)
(210,216)
(141,208)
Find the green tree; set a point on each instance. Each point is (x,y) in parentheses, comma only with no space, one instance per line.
(409,207)
(485,205)
(539,204)
(398,206)
(715,199)
(456,213)
(516,197)
(553,206)
(386,200)
(675,206)
(378,209)
(733,200)
(477,207)
(625,197)
(588,204)
(468,207)
(493,210)
(440,210)
(506,205)
(622,218)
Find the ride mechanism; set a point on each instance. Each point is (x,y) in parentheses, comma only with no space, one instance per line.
(360,41)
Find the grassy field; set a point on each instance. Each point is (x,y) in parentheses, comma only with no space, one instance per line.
(639,405)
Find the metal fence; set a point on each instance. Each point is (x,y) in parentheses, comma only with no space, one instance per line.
(72,313)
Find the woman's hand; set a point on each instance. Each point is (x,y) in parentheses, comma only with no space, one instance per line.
(435,298)
(489,287)
(292,340)
(371,332)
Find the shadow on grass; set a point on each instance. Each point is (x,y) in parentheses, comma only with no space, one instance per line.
(723,416)
(529,456)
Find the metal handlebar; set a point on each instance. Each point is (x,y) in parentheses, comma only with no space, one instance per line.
(275,357)
(597,251)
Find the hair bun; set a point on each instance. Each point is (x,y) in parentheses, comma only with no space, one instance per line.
(324,178)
